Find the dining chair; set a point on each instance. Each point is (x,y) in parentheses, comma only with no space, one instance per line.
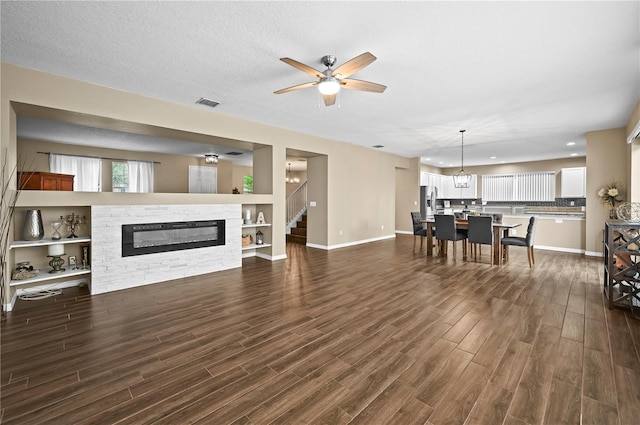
(480,233)
(418,229)
(526,241)
(446,231)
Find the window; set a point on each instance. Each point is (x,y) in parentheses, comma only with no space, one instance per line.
(132,176)
(534,186)
(87,171)
(248,184)
(119,176)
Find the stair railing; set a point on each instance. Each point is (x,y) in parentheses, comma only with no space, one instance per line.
(296,205)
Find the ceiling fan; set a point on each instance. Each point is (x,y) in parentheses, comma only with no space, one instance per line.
(331,80)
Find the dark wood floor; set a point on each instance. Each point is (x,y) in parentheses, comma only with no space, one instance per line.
(372,334)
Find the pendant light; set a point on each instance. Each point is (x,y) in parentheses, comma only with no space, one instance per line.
(290,179)
(462,179)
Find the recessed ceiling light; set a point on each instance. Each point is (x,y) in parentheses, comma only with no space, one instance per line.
(501,162)
(493,157)
(571,143)
(440,162)
(574,154)
(427,159)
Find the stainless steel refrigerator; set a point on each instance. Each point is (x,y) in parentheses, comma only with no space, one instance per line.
(428,198)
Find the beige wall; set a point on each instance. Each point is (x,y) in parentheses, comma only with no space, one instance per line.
(407,195)
(606,162)
(361,195)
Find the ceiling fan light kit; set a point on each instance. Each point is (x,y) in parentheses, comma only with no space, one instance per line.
(331,80)
(462,179)
(211,159)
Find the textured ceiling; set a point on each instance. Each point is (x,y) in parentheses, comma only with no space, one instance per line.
(523,78)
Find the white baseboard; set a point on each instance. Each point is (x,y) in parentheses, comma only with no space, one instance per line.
(264,256)
(344,245)
(594,254)
(560,249)
(403,232)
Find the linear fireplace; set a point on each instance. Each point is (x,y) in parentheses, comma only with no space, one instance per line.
(149,238)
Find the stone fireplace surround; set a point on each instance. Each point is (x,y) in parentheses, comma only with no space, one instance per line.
(110,271)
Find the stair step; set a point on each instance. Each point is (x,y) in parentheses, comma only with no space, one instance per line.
(301,224)
(297,239)
(299,231)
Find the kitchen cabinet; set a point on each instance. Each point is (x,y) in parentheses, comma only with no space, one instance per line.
(40,180)
(573,182)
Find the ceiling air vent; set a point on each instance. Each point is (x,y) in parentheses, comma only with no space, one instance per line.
(378,146)
(233,153)
(208,102)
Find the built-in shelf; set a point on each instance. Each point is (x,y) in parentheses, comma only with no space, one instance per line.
(255,246)
(45,242)
(249,226)
(45,275)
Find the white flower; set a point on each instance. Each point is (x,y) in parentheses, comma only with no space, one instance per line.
(612,192)
(601,193)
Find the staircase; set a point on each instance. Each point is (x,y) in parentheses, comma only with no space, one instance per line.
(299,232)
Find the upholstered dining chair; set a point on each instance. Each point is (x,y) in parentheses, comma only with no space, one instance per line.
(526,241)
(446,231)
(480,233)
(418,229)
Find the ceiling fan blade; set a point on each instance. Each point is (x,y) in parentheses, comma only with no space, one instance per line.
(302,67)
(351,84)
(354,65)
(329,99)
(298,87)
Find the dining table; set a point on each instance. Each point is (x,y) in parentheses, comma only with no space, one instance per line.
(500,229)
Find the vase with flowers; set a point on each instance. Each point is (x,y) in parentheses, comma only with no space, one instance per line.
(611,195)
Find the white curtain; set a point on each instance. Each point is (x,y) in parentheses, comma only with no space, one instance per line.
(140,176)
(87,171)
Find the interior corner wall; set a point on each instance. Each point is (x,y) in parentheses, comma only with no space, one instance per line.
(407,195)
(606,163)
(317,187)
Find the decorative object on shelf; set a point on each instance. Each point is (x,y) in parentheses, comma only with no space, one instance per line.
(259,238)
(611,194)
(86,256)
(73,222)
(247,217)
(24,270)
(629,211)
(260,219)
(33,226)
(56,230)
(246,240)
(73,262)
(56,251)
(462,179)
(235,191)
(289,179)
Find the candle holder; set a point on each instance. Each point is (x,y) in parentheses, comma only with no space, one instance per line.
(73,222)
(56,263)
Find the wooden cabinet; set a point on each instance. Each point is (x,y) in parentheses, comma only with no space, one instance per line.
(40,180)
